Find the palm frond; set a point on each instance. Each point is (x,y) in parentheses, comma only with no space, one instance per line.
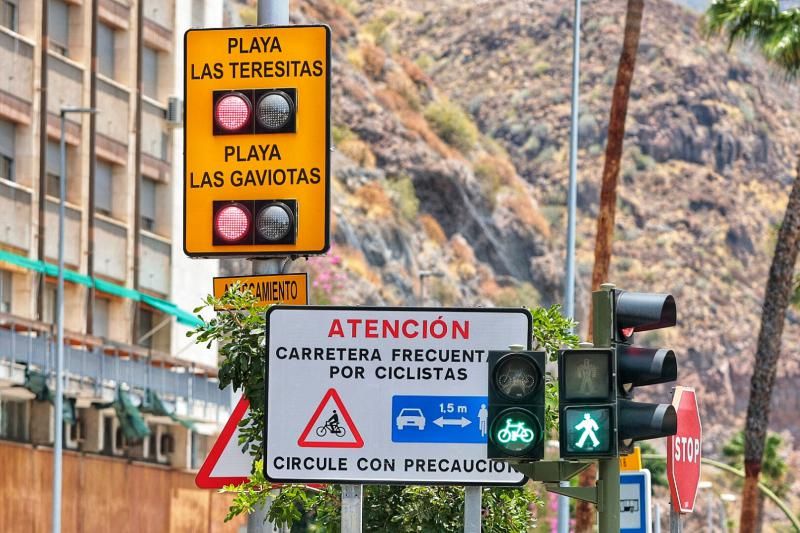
(783,46)
(776,33)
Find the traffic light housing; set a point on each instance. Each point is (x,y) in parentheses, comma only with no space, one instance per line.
(516,406)
(639,366)
(587,403)
(238,222)
(255,111)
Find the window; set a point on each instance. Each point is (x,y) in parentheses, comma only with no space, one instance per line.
(155,326)
(105,50)
(50,312)
(53,168)
(108,434)
(199,451)
(165,137)
(145,327)
(147,204)
(13,419)
(103,187)
(100,317)
(5,291)
(9,14)
(8,132)
(58,26)
(150,72)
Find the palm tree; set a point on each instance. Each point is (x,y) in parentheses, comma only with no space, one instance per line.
(616,134)
(773,466)
(777,34)
(608,191)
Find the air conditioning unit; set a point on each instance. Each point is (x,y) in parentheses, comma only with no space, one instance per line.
(74,434)
(174,111)
(118,441)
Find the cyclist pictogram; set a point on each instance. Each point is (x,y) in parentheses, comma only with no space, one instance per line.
(515,432)
(331,426)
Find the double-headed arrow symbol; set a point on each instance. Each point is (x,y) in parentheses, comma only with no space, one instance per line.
(442,421)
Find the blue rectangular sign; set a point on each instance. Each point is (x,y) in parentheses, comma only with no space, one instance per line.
(634,502)
(454,419)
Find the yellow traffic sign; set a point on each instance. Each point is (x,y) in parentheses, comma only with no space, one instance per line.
(257,141)
(289,289)
(632,462)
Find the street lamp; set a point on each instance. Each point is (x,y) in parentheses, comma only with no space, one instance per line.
(59,403)
(426,274)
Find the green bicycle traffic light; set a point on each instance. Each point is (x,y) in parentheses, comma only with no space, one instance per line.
(516,406)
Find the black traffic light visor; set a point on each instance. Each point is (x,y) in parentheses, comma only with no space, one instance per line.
(639,366)
(642,421)
(644,311)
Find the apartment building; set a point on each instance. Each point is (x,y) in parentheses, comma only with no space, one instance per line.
(137,388)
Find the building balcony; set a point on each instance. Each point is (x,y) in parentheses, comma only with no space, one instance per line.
(94,368)
(72,233)
(64,83)
(15,215)
(113,102)
(155,264)
(16,55)
(110,258)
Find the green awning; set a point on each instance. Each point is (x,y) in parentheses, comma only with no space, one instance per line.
(184,317)
(19,260)
(36,382)
(69,275)
(117,290)
(130,419)
(152,404)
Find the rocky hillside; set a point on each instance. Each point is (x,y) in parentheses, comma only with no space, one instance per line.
(451,130)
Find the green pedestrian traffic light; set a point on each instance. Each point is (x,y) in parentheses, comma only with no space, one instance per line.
(587,410)
(588,430)
(516,406)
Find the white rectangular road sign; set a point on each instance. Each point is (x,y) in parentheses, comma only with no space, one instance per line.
(384,395)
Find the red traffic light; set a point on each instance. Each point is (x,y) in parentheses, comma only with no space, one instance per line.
(250,222)
(253,111)
(232,223)
(642,311)
(232,112)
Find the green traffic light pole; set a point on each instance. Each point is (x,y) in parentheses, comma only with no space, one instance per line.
(607,469)
(605,494)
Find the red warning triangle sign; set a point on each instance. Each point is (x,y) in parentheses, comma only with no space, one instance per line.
(331,426)
(226,464)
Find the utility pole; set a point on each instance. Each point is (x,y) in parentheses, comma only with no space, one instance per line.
(572,196)
(59,403)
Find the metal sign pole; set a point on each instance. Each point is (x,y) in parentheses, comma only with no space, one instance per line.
(472,509)
(269,12)
(657,519)
(675,525)
(351,508)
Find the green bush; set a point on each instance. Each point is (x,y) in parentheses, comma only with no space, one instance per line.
(405,196)
(452,124)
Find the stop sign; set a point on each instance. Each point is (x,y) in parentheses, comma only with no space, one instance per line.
(683,451)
